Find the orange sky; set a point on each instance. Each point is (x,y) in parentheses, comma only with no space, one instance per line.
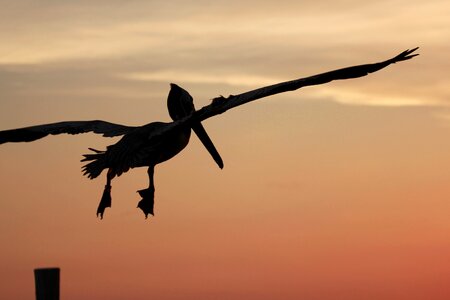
(333,192)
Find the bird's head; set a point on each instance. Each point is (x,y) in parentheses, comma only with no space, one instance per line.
(179,102)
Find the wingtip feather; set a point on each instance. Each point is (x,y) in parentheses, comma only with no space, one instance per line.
(405,55)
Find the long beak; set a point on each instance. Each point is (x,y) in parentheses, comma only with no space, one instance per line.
(204,138)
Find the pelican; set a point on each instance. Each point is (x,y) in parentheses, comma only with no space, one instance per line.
(156,142)
(134,150)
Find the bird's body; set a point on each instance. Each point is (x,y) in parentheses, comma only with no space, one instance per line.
(156,142)
(135,150)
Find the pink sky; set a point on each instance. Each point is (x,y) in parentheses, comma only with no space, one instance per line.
(333,192)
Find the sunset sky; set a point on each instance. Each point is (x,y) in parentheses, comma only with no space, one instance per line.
(340,191)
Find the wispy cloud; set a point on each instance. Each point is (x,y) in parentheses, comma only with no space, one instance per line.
(201,78)
(64,31)
(348,95)
(352,97)
(239,44)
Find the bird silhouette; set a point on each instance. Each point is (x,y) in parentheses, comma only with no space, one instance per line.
(156,142)
(134,150)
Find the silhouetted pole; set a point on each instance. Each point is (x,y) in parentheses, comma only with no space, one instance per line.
(47,283)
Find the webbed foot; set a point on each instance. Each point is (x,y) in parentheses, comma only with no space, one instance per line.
(104,202)
(147,202)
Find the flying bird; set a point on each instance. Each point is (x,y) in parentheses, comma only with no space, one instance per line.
(156,142)
(134,150)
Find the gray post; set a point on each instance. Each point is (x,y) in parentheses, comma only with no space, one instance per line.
(47,283)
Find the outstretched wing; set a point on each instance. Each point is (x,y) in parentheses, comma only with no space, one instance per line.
(32,133)
(221,104)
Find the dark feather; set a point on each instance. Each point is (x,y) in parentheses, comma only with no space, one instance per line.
(32,133)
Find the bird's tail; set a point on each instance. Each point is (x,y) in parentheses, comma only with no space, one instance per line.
(97,163)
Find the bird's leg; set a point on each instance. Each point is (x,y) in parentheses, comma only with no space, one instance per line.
(106,197)
(148,195)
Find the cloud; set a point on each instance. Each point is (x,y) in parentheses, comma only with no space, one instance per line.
(232,43)
(351,97)
(65,31)
(200,78)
